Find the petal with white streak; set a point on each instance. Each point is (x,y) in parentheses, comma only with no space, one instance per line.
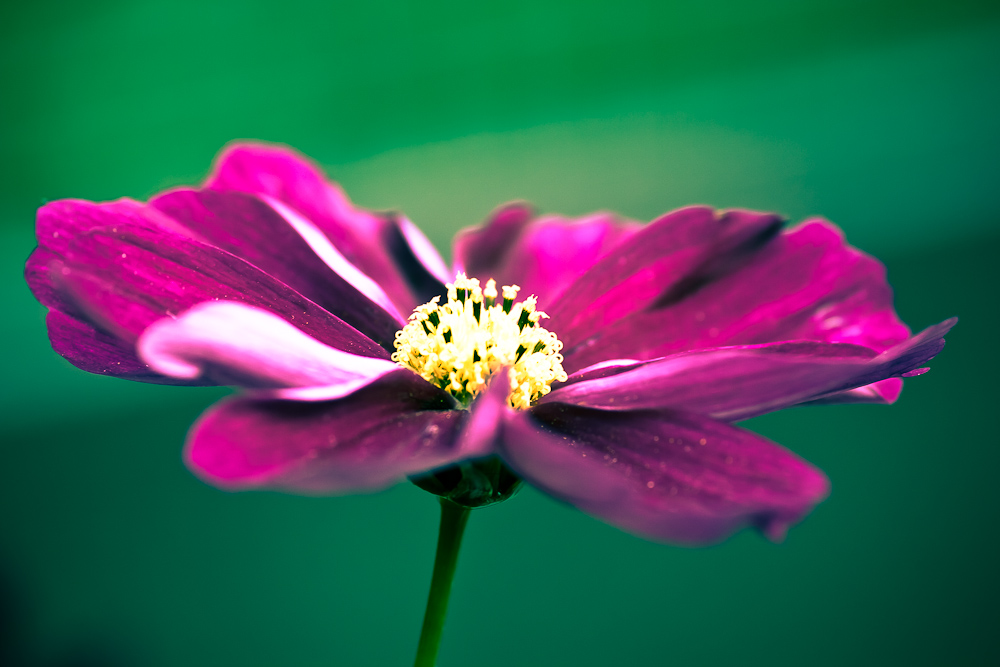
(250,347)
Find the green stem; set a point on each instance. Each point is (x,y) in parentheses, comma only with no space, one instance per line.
(453,519)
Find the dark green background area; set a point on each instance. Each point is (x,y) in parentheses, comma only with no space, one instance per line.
(881,116)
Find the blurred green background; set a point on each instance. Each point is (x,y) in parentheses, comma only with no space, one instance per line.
(881,115)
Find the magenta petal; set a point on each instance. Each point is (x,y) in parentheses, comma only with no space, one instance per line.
(60,223)
(659,265)
(97,352)
(254,231)
(541,255)
(71,333)
(806,284)
(667,476)
(735,383)
(397,426)
(73,337)
(487,413)
(127,273)
(233,343)
(482,250)
(374,243)
(48,291)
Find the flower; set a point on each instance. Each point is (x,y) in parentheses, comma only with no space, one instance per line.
(365,361)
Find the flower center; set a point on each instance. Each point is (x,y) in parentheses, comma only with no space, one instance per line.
(460,344)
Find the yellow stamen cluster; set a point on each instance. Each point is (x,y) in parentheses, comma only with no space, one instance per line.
(460,344)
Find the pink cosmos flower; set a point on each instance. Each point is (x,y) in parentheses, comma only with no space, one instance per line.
(658,337)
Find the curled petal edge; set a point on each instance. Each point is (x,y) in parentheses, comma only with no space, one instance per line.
(740,382)
(234,343)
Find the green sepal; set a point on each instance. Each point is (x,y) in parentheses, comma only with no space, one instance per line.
(472,483)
